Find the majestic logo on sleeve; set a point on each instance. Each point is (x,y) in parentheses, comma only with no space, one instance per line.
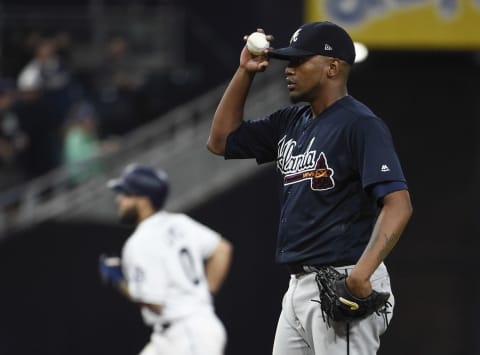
(304,166)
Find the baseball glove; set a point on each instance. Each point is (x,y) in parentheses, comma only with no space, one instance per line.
(338,304)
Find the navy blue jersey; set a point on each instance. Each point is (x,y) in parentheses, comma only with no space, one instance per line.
(326,165)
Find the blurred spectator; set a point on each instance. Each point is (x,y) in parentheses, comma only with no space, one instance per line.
(13,141)
(45,96)
(47,66)
(18,46)
(118,85)
(81,144)
(35,117)
(53,75)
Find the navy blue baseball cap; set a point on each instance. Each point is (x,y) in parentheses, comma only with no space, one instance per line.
(318,38)
(137,180)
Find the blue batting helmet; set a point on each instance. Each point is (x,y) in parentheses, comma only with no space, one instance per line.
(139,180)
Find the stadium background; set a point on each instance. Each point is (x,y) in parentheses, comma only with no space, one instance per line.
(52,302)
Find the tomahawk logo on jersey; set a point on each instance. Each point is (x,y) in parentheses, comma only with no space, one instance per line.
(304,166)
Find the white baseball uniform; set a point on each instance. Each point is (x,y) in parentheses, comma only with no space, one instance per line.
(163,263)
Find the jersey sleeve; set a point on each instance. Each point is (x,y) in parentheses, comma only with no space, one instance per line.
(374,152)
(382,189)
(254,139)
(205,238)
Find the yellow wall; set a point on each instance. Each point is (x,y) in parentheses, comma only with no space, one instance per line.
(443,24)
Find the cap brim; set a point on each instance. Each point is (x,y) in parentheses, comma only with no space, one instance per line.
(117,185)
(289,52)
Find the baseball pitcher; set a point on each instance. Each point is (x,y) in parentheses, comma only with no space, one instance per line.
(344,197)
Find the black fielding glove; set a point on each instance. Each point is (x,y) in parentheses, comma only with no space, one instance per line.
(338,304)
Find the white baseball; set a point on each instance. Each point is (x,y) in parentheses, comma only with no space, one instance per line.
(257,43)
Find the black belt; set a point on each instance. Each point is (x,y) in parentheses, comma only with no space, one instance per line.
(294,268)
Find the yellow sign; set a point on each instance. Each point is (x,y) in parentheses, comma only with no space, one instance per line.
(415,24)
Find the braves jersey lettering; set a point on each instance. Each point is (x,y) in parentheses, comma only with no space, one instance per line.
(288,163)
(303,166)
(326,165)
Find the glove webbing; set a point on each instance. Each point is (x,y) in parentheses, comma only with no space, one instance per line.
(324,277)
